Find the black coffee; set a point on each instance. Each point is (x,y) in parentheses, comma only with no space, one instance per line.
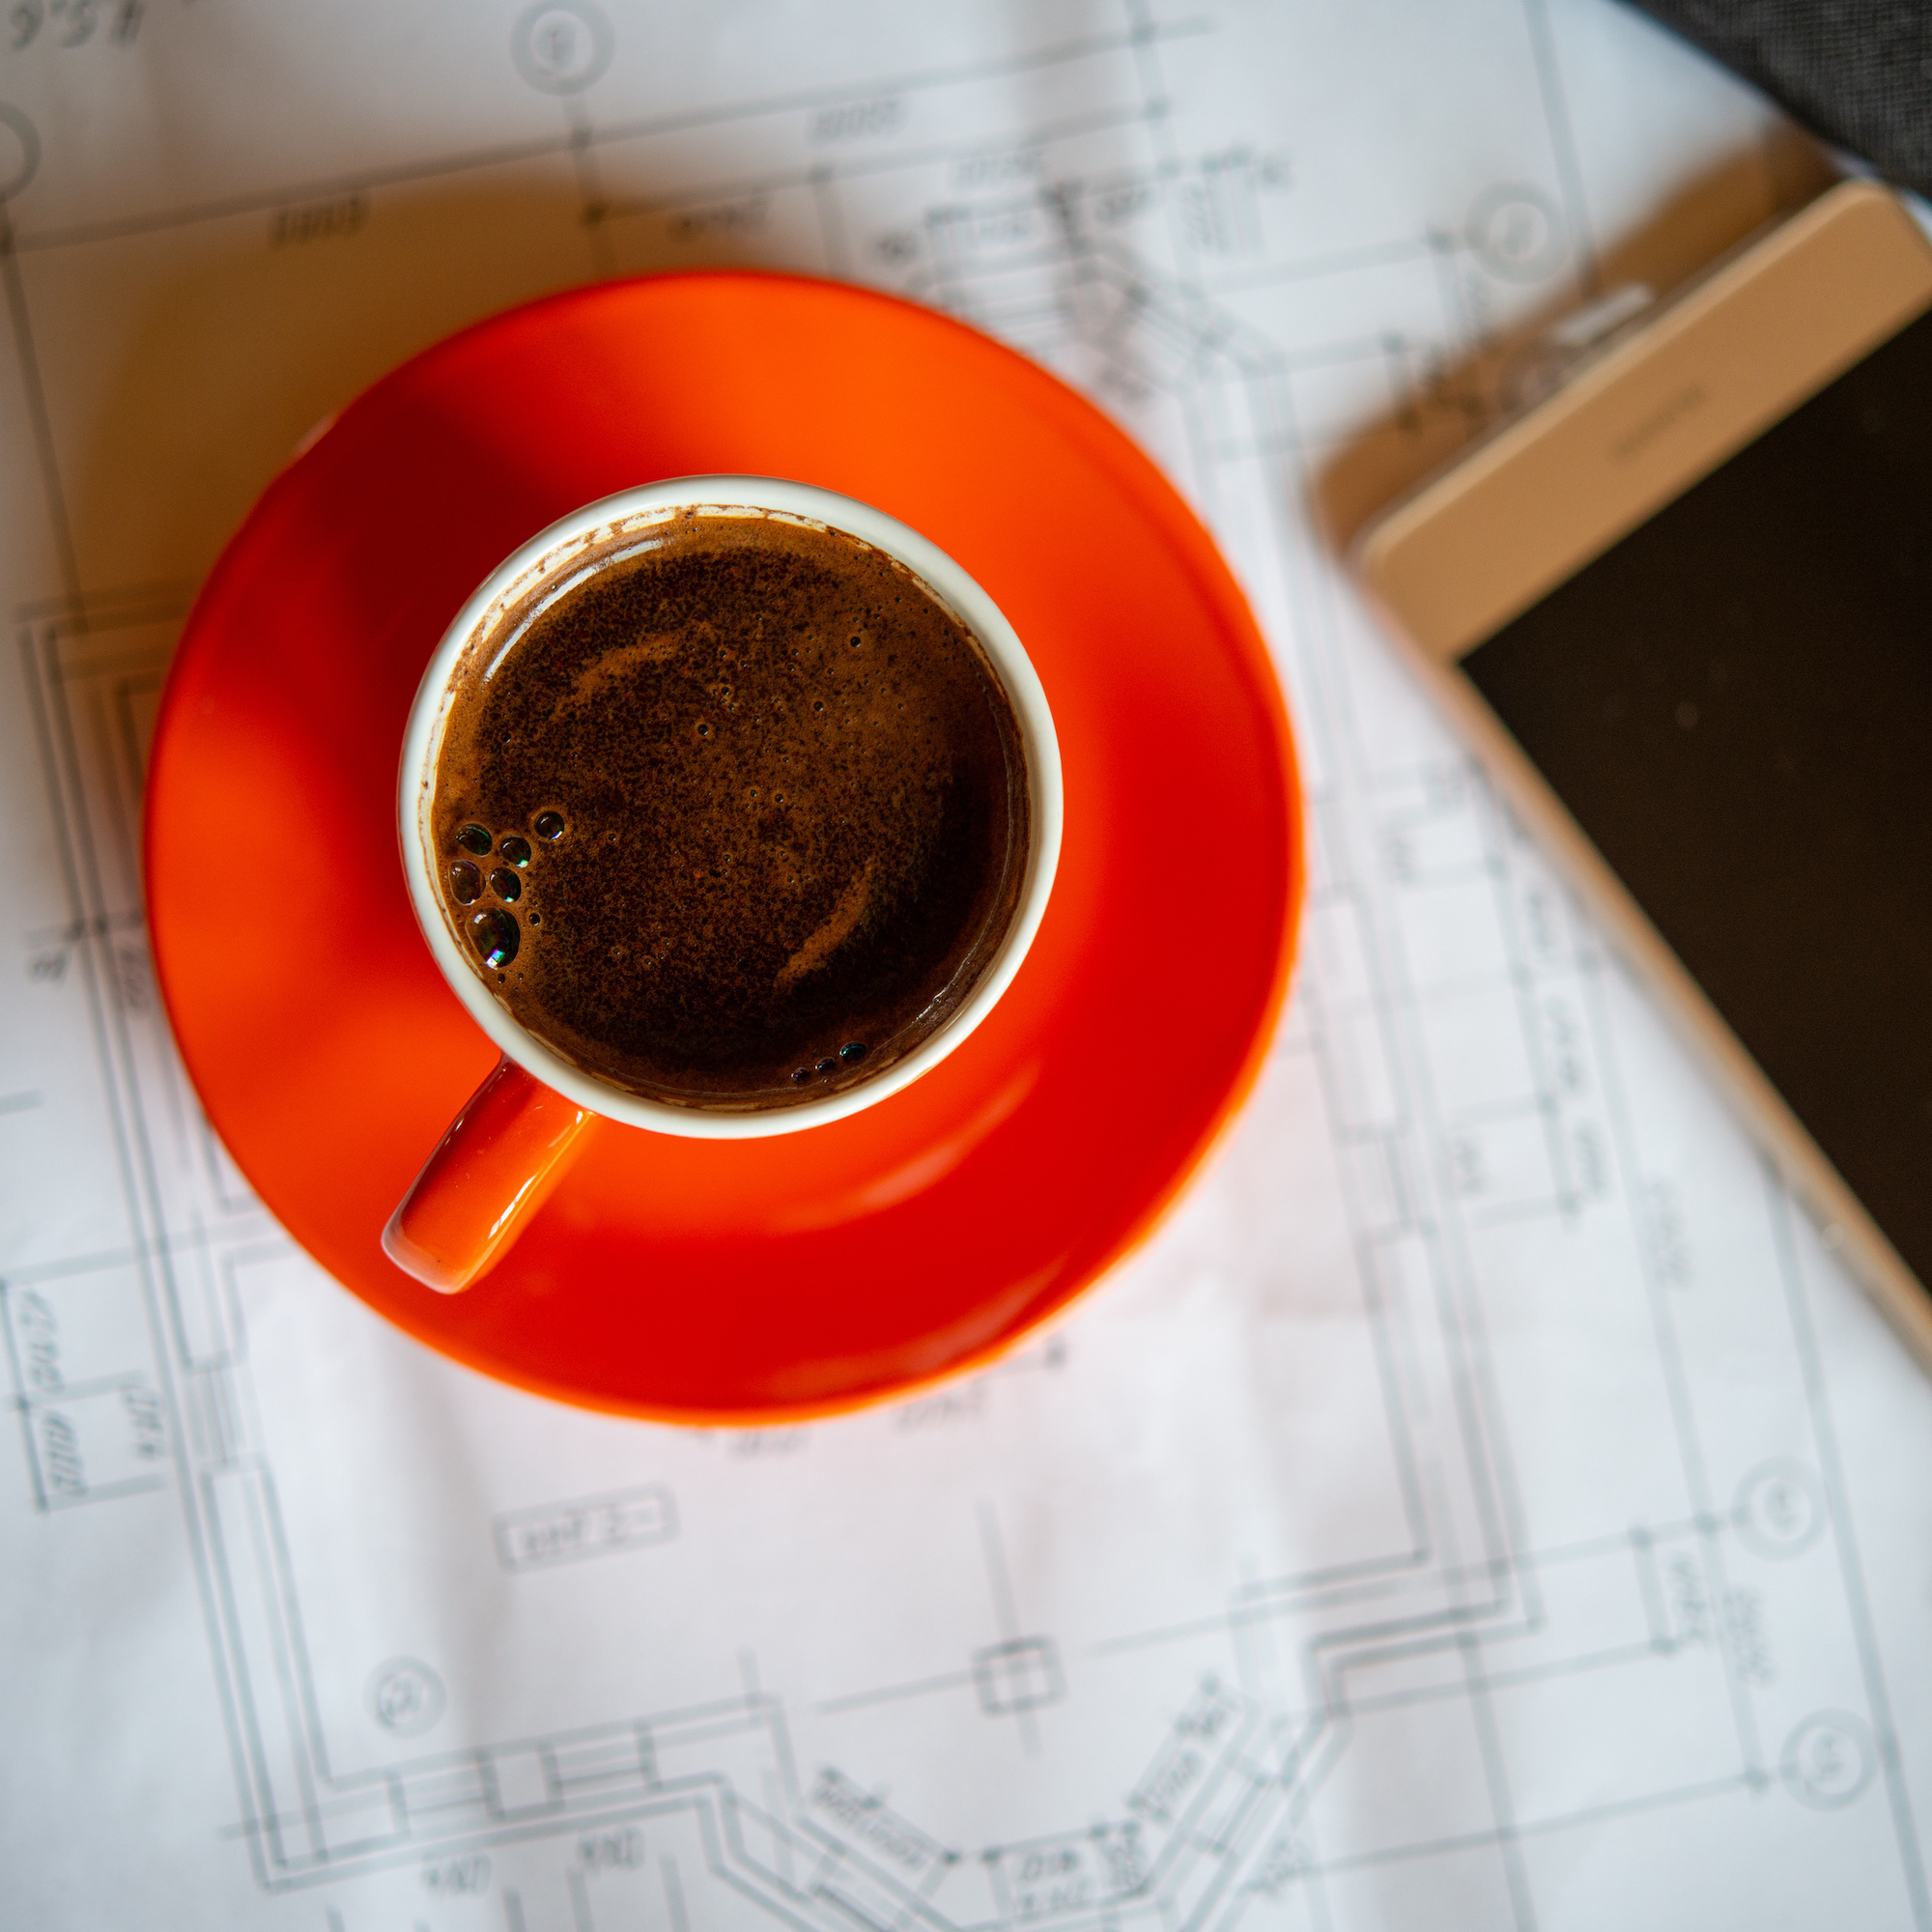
(740,817)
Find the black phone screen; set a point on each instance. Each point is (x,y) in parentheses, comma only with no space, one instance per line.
(1735,703)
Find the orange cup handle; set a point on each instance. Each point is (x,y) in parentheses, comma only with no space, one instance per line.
(513,1141)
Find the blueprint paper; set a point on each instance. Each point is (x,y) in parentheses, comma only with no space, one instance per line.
(1483,1504)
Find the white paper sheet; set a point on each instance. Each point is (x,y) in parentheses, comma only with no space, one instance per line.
(1483,1505)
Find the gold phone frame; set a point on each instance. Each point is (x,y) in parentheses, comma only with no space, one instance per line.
(1477,545)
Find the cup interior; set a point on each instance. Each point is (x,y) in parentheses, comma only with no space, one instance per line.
(549,566)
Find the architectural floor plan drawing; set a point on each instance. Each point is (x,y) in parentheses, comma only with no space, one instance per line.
(1484,1504)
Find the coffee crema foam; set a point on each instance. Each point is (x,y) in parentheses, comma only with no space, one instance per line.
(737,818)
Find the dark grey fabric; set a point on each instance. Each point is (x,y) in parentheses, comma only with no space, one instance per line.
(1857,71)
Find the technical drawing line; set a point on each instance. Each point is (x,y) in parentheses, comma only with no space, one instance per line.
(111,1051)
(1670,1358)
(579,1902)
(684,121)
(583,164)
(674,1894)
(1454,1281)
(1615,1658)
(1523,986)
(892,1694)
(1003,1615)
(1313,268)
(831,236)
(1495,1776)
(1006,1618)
(68,1266)
(53,494)
(1844,1533)
(1531,1828)
(166,597)
(745,188)
(1563,141)
(41,1498)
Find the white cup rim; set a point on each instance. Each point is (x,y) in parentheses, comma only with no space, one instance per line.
(594,525)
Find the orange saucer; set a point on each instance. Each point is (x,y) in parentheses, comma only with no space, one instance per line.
(712,1279)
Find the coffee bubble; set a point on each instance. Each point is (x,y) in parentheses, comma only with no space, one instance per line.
(493,934)
(549,825)
(466,883)
(505,884)
(852,1052)
(475,839)
(515,851)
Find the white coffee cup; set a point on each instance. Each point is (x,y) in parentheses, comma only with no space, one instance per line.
(514,1138)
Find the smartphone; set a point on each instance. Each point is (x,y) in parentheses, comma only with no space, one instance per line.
(1684,609)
